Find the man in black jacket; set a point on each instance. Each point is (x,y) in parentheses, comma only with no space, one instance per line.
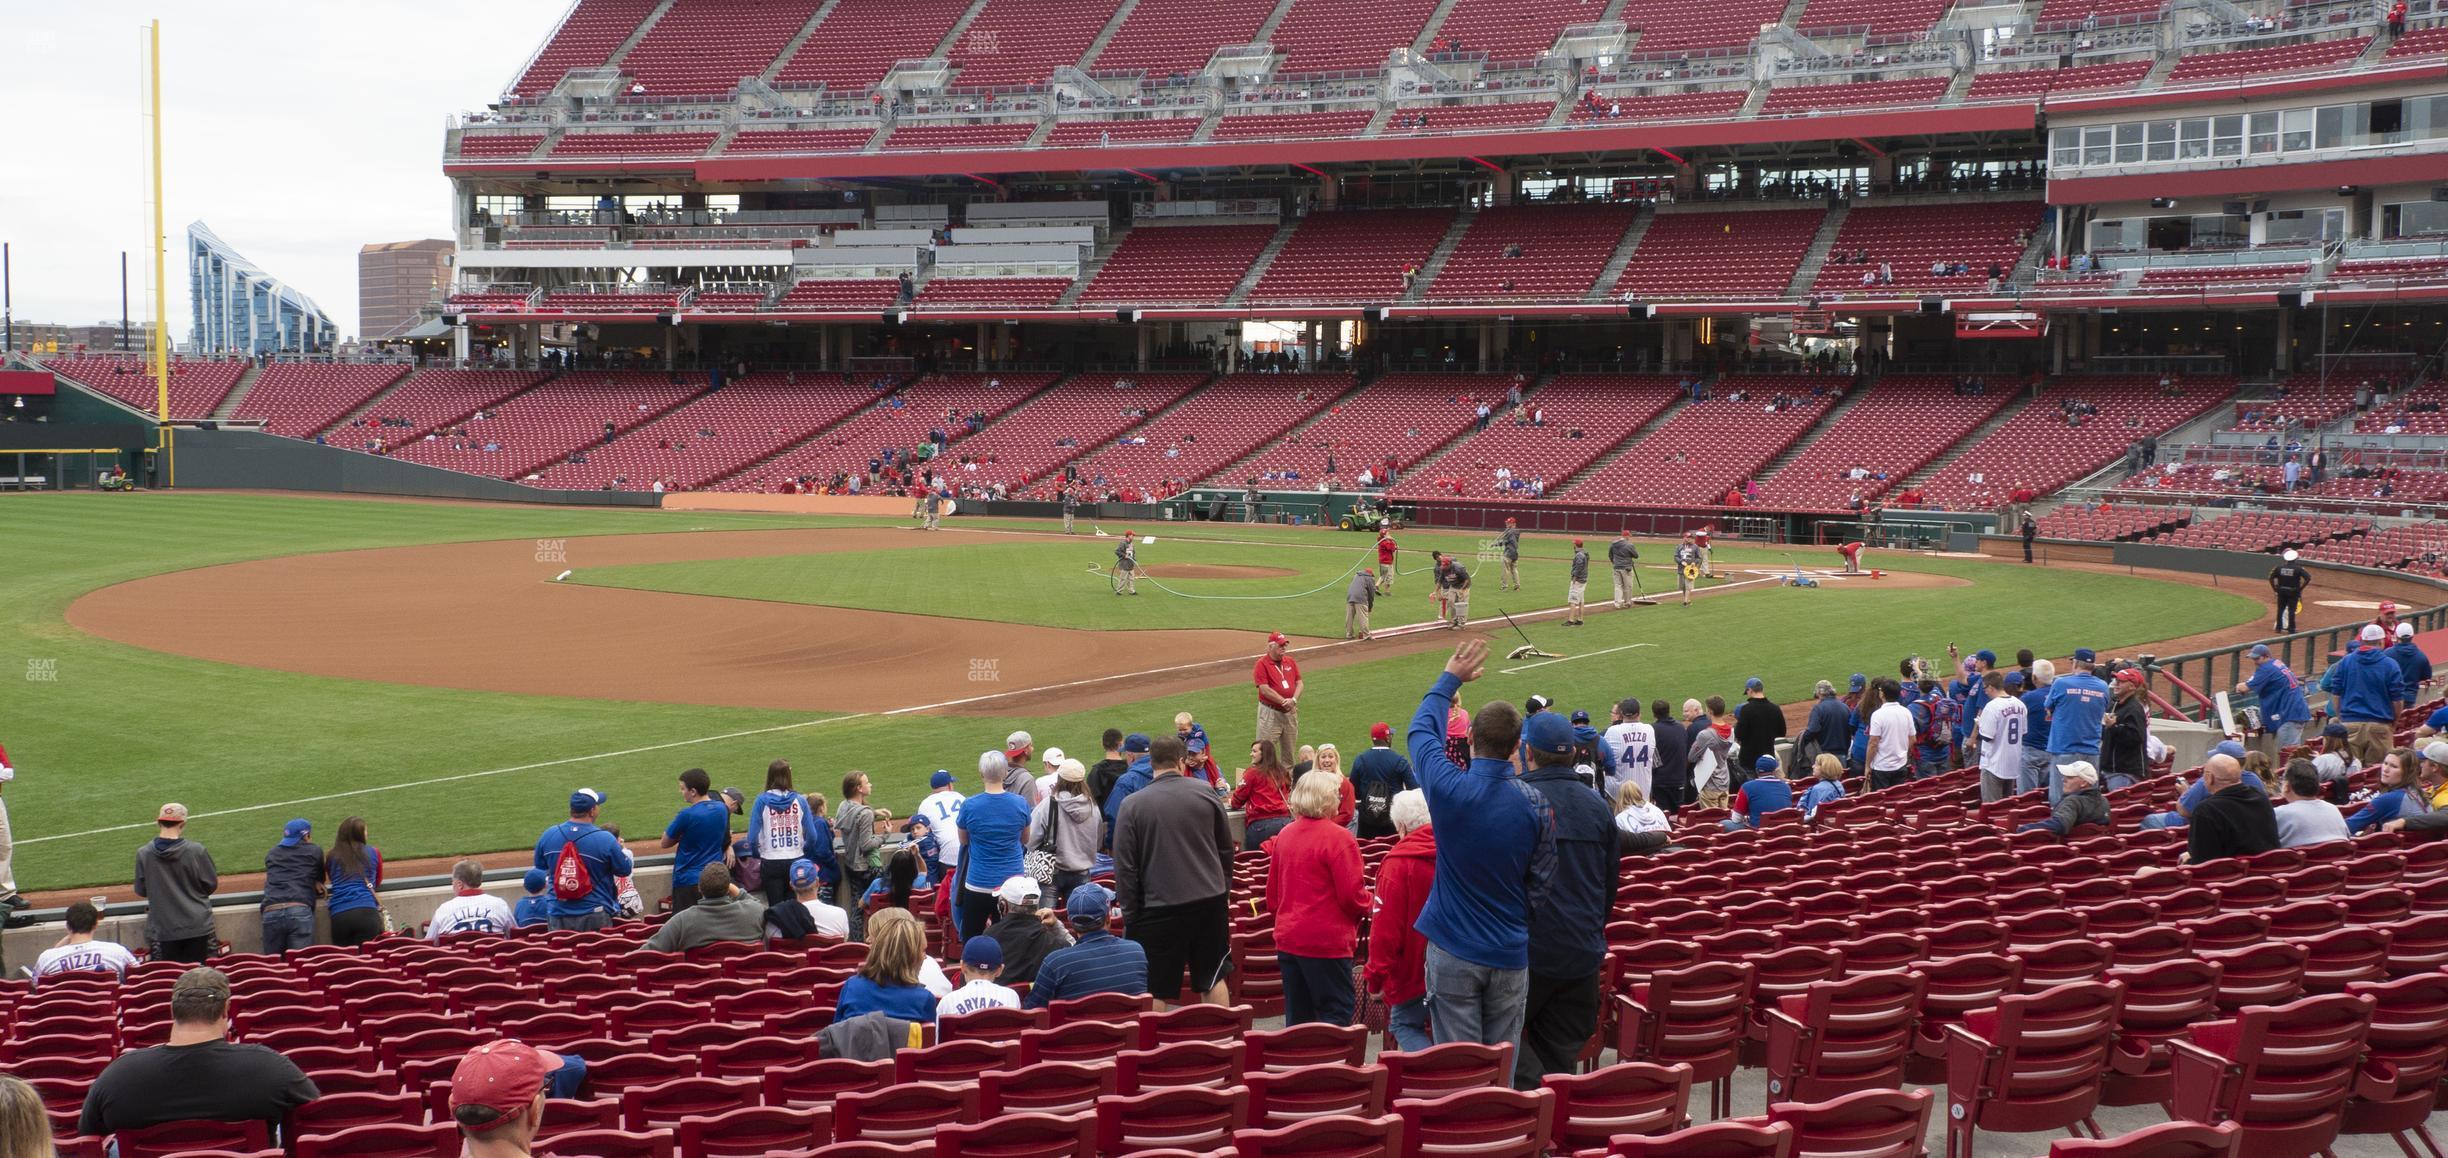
(1758,725)
(1670,777)
(1568,921)
(2236,819)
(2125,740)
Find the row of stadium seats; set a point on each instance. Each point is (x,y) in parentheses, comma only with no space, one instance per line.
(2076,426)
(847,448)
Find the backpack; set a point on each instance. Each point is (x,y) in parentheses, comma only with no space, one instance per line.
(1376,808)
(570,879)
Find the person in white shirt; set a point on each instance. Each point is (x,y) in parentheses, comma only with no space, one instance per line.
(1632,745)
(2306,817)
(471,910)
(1891,735)
(78,952)
(2001,724)
(941,811)
(807,886)
(981,963)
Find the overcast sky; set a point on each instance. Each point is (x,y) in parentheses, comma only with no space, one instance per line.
(298,132)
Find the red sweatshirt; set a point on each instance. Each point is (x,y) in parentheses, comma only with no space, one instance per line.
(1398,955)
(1259,798)
(1314,889)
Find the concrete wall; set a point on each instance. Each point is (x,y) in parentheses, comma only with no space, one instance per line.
(251,460)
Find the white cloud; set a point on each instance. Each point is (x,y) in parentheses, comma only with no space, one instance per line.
(297,131)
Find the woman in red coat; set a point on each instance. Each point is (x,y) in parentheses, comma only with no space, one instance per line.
(1398,955)
(1316,895)
(1260,796)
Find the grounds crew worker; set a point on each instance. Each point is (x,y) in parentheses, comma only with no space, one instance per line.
(1385,556)
(1579,586)
(2287,580)
(1456,583)
(1511,539)
(1357,602)
(1623,556)
(1126,565)
(1686,567)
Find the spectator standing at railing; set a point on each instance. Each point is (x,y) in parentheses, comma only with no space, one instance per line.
(2365,683)
(2284,712)
(176,878)
(2413,666)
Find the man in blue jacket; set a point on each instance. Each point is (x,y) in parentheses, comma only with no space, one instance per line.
(2077,705)
(2036,761)
(2364,683)
(1829,728)
(1568,930)
(1134,749)
(2284,711)
(2413,667)
(1492,873)
(598,857)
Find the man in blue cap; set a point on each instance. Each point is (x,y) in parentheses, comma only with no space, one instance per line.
(533,909)
(293,878)
(1135,777)
(2365,683)
(1763,793)
(583,864)
(2077,708)
(2284,711)
(2413,667)
(1097,962)
(1567,922)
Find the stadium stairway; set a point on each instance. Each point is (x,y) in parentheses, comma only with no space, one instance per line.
(383,395)
(1816,256)
(791,49)
(1620,449)
(952,35)
(1274,20)
(1963,444)
(1266,257)
(2159,71)
(1444,251)
(1233,469)
(1613,272)
(1096,261)
(238,393)
(644,26)
(715,482)
(1957,88)
(1105,36)
(1827,422)
(1428,28)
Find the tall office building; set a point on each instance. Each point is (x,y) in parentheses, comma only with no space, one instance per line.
(240,309)
(395,279)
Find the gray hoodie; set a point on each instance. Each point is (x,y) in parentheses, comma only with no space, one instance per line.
(176,878)
(1076,834)
(735,918)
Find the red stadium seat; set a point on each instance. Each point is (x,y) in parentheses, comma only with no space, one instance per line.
(1185,1117)
(1497,1122)
(2032,1063)
(1735,1139)
(1336,1137)
(1021,1136)
(1866,1123)
(391,1139)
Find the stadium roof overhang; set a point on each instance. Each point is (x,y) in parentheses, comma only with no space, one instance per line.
(2238,181)
(1660,142)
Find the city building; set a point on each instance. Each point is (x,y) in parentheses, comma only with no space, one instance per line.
(240,309)
(395,279)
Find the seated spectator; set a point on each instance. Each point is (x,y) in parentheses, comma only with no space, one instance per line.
(470,909)
(1764,793)
(1642,825)
(498,1091)
(2082,803)
(904,873)
(1098,963)
(2200,790)
(2307,817)
(1397,970)
(2236,819)
(78,952)
(2399,794)
(198,1074)
(888,981)
(723,912)
(531,908)
(1828,783)
(1025,933)
(981,965)
(807,914)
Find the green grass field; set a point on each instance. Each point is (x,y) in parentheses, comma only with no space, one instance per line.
(101,732)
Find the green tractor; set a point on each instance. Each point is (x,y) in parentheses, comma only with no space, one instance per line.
(1367,517)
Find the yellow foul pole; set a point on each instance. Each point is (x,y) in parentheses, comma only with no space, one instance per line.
(161,288)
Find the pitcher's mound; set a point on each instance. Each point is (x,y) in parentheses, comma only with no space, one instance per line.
(1215,571)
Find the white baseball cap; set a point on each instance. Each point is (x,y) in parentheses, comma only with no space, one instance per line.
(2373,633)
(2405,631)
(2289,555)
(1020,890)
(1054,757)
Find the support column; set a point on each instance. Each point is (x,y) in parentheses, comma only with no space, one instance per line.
(2281,360)
(1487,340)
(1145,340)
(981,345)
(671,346)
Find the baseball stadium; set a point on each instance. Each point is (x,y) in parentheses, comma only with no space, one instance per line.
(1287,577)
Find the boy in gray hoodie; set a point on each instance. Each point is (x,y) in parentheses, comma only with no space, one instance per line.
(176,878)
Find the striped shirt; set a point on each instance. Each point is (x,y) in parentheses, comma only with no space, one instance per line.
(1099,963)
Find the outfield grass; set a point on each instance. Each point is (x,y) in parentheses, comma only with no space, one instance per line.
(115,730)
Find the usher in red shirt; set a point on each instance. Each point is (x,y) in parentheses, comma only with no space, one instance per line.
(1278,676)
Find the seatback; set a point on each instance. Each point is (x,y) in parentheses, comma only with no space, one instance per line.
(2034,1057)
(2165,1140)
(2283,1071)
(1494,1122)
(1443,1069)
(1288,1097)
(1698,1014)
(1863,1124)
(1729,1139)
(1624,1098)
(1839,1036)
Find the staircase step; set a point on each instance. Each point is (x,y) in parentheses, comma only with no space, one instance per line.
(1815,257)
(644,26)
(1266,257)
(238,393)
(1818,430)
(1232,470)
(1630,439)
(1443,252)
(1950,454)
(782,59)
(1622,258)
(1097,47)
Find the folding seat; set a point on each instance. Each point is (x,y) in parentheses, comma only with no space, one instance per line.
(2063,963)
(2284,1071)
(2045,927)
(2161,1000)
(1624,1098)
(1696,1016)
(389,1139)
(1498,1122)
(954,1061)
(1080,1041)
(1188,1117)
(1335,1137)
(171,1139)
(1216,1023)
(550,1030)
(1822,932)
(561,1115)
(1863,1124)
(1880,952)
(818,1083)
(334,1112)
(429,1045)
(1314,1043)
(607,1144)
(2147,946)
(2380,905)
(2183,904)
(904,1113)
(1182,1063)
(1444,1068)
(2034,1062)
(394,1002)
(2231,931)
(2305,919)
(2267,974)
(751,1131)
(2165,1140)
(644,1018)
(665,1105)
(1783,973)
(1964,938)
(2409,1044)
(612,1076)
(1836,1037)
(2338,959)
(1736,944)
(1743,1138)
(2418,944)
(1116,1007)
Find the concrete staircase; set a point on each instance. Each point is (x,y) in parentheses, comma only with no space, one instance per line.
(1956,451)
(2158,73)
(782,59)
(1105,36)
(1089,269)
(1442,253)
(1622,258)
(952,36)
(1816,256)
(238,393)
(1751,104)
(1818,430)
(1620,449)
(1273,21)
(1266,257)
(1428,27)
(1957,88)
(644,26)
(1325,407)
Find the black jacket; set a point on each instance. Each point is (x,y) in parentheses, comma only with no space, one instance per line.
(1673,768)
(291,873)
(1568,931)
(1025,941)
(2234,821)
(2089,806)
(1758,725)
(2123,747)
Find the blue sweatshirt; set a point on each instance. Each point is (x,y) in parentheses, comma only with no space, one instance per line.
(2280,693)
(1499,860)
(2413,669)
(1830,726)
(1133,778)
(2077,702)
(2365,684)
(907,1002)
(2035,720)
(606,860)
(1762,795)
(2379,810)
(350,893)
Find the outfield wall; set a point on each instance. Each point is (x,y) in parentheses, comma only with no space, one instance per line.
(252,460)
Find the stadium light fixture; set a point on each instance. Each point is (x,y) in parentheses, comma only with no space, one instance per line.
(1491,166)
(1670,156)
(1320,174)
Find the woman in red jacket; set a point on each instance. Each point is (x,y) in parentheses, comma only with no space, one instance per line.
(1316,895)
(1398,955)
(1260,796)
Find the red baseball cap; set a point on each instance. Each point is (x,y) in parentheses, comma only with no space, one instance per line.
(501,1076)
(1278,638)
(1379,731)
(1576,542)
(2132,675)
(1508,522)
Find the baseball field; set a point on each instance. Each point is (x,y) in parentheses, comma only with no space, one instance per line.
(451,671)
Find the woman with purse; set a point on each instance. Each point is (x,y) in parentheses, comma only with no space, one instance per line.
(1064,831)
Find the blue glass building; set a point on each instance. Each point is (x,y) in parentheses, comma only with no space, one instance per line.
(240,309)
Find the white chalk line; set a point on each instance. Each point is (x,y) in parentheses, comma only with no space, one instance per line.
(1569,658)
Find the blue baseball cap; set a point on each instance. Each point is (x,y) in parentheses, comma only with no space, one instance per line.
(1134,744)
(1088,905)
(1987,657)
(296,831)
(1580,716)
(536,880)
(2085,655)
(1860,681)
(1548,732)
(2228,748)
(941,779)
(1764,764)
(1197,743)
(982,953)
(1754,685)
(2259,651)
(2014,679)
(586,800)
(803,872)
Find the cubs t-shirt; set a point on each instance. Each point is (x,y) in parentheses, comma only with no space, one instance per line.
(479,913)
(2001,737)
(704,831)
(995,827)
(974,997)
(88,957)
(1634,746)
